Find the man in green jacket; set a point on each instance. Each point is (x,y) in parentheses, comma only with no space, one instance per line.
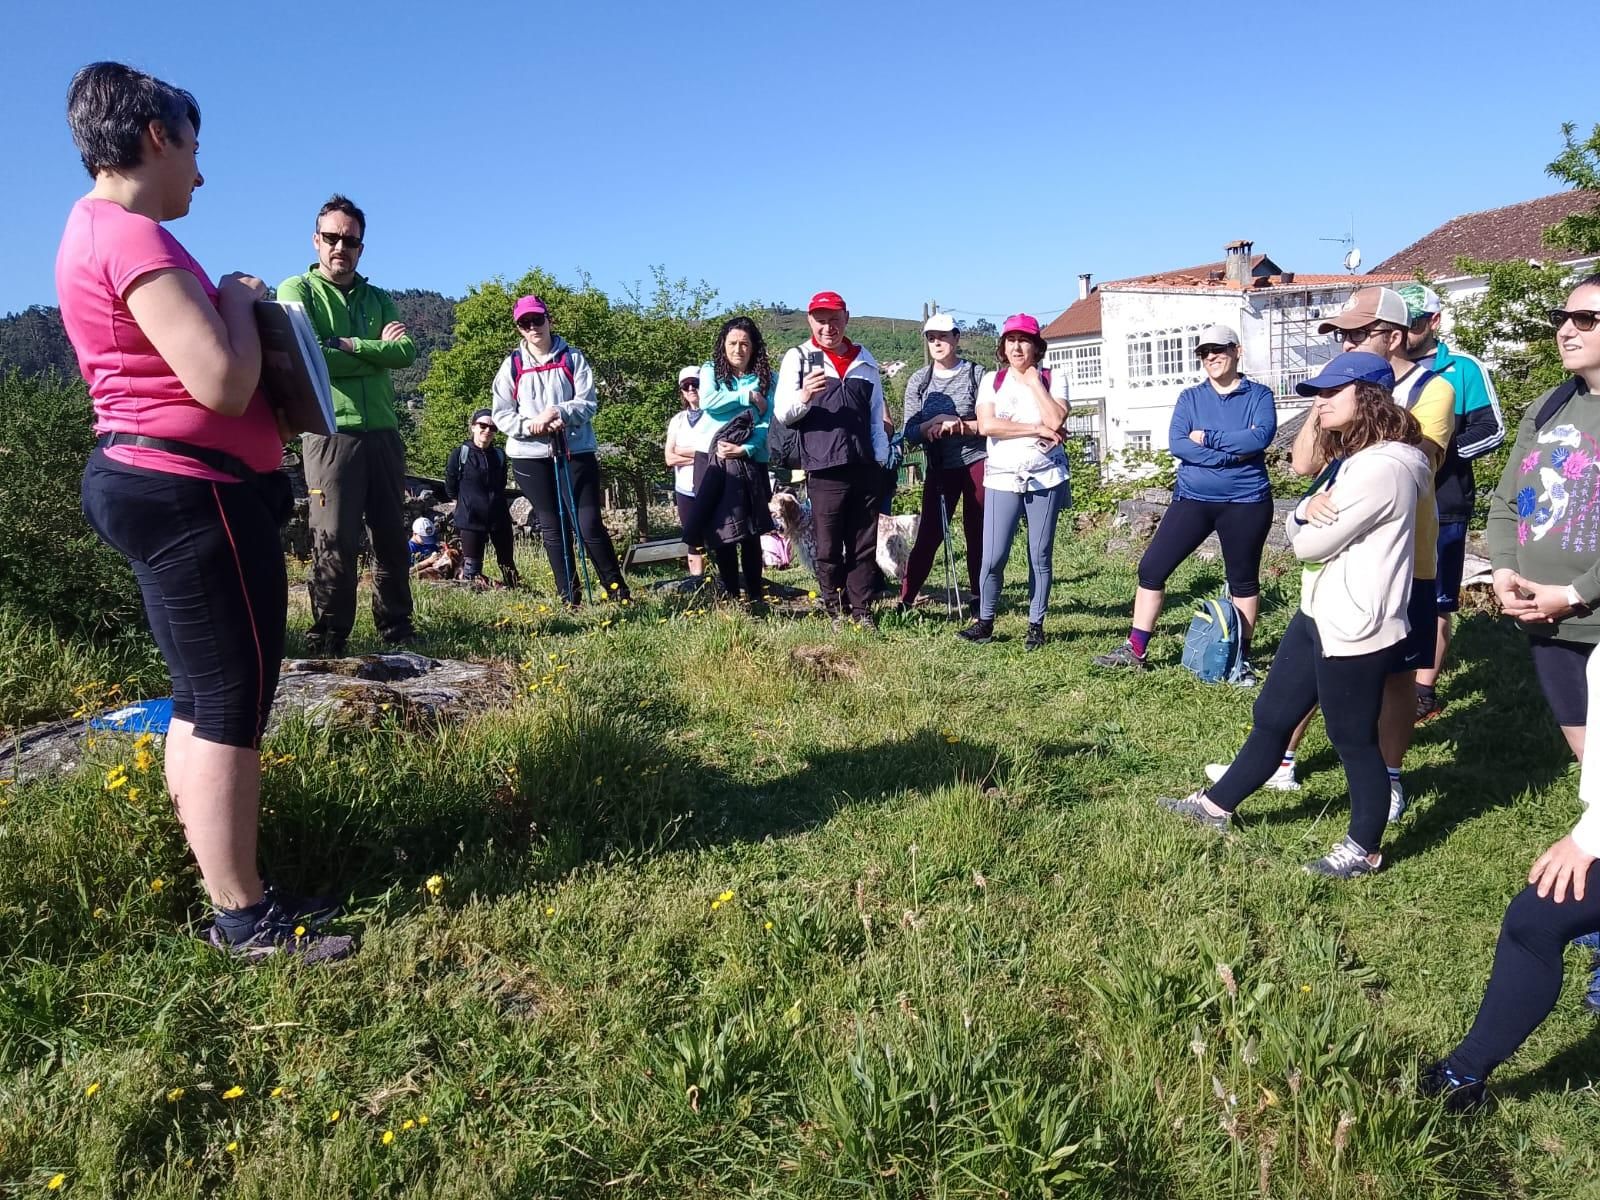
(358,473)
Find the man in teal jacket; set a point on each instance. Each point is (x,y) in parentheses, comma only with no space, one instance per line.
(358,473)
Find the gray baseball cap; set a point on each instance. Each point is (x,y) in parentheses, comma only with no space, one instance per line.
(1217,335)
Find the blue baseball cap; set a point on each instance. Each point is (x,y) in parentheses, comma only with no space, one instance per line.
(1349,367)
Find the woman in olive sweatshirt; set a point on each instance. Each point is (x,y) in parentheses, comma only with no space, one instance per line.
(1544,542)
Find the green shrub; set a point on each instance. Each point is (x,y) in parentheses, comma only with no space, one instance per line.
(53,569)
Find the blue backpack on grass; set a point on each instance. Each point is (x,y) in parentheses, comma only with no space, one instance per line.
(1214,647)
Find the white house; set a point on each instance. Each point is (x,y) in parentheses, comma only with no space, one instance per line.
(1127,347)
(1493,235)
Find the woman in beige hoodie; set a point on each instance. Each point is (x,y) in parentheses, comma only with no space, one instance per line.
(1354,534)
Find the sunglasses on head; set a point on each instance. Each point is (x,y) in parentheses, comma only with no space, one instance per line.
(332,240)
(531,321)
(689,385)
(1583,319)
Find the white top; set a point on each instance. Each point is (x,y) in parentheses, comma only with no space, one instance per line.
(1018,464)
(687,438)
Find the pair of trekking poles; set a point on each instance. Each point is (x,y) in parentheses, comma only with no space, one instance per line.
(567,515)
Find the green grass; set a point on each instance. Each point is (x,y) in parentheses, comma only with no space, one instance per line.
(962,956)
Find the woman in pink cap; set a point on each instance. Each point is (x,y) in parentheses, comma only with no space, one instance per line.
(1025,474)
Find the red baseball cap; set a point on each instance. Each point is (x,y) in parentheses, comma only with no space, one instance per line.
(827,300)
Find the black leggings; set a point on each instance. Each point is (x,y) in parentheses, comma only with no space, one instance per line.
(472,545)
(1350,691)
(210,566)
(580,485)
(727,556)
(1526,980)
(1241,528)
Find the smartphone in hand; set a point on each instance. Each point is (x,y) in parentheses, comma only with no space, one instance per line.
(814,361)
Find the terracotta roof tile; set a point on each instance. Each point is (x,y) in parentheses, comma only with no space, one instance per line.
(1082,319)
(1497,234)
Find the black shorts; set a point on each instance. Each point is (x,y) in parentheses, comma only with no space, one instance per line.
(685,506)
(1560,667)
(1417,652)
(209,562)
(1452,560)
(1241,528)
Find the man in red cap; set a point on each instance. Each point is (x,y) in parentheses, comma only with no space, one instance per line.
(830,392)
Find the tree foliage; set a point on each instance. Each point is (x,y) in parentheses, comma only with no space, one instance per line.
(1578,166)
(635,347)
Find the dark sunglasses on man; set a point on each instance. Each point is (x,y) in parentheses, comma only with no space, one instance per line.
(483,425)
(531,321)
(332,240)
(1357,337)
(1583,319)
(1205,352)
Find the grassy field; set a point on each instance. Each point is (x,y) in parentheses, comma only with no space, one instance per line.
(723,908)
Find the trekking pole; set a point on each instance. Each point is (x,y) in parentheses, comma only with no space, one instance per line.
(952,595)
(564,482)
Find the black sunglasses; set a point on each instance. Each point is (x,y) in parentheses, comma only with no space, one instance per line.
(332,240)
(689,385)
(1583,319)
(1358,336)
(1208,350)
(482,425)
(531,321)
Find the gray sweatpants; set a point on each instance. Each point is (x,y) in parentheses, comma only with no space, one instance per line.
(357,478)
(1001,513)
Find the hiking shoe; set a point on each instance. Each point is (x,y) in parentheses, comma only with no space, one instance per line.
(280,933)
(1190,806)
(1035,638)
(1397,800)
(756,609)
(1122,658)
(405,635)
(1345,861)
(865,622)
(979,633)
(509,577)
(1462,1093)
(1428,707)
(311,911)
(324,645)
(1246,678)
(1281,780)
(618,592)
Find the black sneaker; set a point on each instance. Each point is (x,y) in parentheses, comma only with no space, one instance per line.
(279,932)
(1035,638)
(865,622)
(324,645)
(404,635)
(979,633)
(311,911)
(1462,1093)
(510,578)
(1121,659)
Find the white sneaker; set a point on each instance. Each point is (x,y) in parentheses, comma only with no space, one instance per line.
(1281,780)
(1397,801)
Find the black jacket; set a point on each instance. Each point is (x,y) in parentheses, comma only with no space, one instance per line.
(730,494)
(476,480)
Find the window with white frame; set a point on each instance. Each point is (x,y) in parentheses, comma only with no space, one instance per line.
(1162,356)
(1139,439)
(1141,359)
(1086,365)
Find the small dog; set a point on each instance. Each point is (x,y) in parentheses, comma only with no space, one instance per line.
(895,535)
(794,522)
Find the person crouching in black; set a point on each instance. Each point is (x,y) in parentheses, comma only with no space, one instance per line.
(475,478)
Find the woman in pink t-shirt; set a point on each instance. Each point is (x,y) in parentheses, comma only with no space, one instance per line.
(184,481)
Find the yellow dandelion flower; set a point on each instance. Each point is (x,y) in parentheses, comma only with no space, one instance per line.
(275,1092)
(55,1183)
(388,1137)
(435,885)
(811,595)
(143,740)
(112,784)
(334,1116)
(88,1092)
(422,1118)
(549,912)
(133,795)
(408,1124)
(299,931)
(1305,988)
(143,760)
(613,587)
(716,904)
(156,885)
(233,1093)
(232,1147)
(768,927)
(175,1095)
(99,914)
(726,896)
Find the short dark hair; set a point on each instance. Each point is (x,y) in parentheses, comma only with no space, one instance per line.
(110,105)
(343,204)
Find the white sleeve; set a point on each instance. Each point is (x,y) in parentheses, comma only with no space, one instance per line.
(788,401)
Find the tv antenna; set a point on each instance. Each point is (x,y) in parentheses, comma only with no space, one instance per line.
(1352,255)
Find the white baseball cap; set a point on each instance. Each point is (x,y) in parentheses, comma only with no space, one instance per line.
(688,373)
(1218,335)
(939,323)
(422,528)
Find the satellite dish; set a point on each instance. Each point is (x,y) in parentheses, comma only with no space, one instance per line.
(1352,259)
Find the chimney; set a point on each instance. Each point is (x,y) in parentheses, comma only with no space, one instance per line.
(1236,263)
(1083,286)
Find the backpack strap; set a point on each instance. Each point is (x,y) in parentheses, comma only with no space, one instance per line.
(1556,402)
(999,378)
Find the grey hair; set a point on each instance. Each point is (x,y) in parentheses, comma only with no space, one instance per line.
(109,107)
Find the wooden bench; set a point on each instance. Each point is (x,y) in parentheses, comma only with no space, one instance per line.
(656,550)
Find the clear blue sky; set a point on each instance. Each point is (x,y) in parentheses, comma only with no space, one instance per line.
(979,156)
